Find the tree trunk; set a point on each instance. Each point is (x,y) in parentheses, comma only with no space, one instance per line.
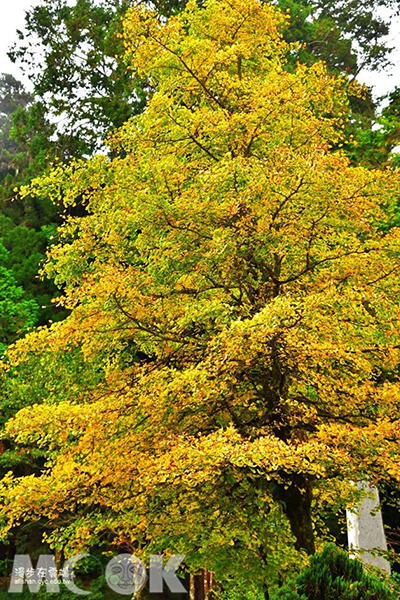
(202,586)
(198,587)
(207,584)
(297,498)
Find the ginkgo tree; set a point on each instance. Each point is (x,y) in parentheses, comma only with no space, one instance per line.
(233,291)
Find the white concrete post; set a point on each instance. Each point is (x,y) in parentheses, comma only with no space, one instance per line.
(365,532)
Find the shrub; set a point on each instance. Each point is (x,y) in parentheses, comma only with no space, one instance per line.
(332,575)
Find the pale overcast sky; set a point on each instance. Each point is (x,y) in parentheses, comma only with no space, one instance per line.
(13,18)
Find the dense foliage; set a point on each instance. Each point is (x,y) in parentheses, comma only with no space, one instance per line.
(232,283)
(82,88)
(332,575)
(229,268)
(17,313)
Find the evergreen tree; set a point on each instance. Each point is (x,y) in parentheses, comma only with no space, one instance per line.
(332,575)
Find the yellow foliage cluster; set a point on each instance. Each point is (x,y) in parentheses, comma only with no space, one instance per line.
(235,282)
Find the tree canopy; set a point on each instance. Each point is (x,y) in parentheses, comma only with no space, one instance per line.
(17,312)
(73,55)
(82,88)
